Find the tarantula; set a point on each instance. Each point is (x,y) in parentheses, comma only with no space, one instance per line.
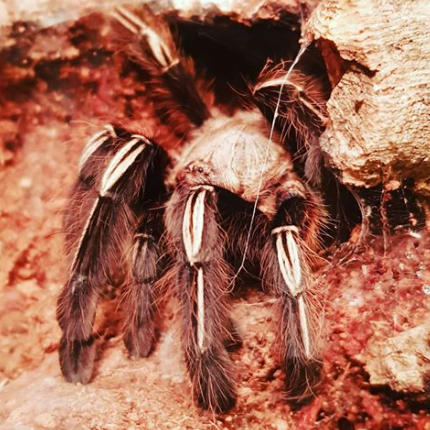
(229,198)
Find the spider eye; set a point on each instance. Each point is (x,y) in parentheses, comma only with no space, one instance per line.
(200,169)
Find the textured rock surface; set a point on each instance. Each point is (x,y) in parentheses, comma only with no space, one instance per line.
(48,112)
(371,296)
(380,109)
(402,361)
(50,12)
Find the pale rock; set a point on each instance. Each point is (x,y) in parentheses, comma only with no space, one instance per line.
(400,361)
(378,59)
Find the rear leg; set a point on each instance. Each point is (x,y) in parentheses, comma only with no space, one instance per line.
(180,99)
(140,295)
(301,110)
(114,172)
(202,286)
(287,264)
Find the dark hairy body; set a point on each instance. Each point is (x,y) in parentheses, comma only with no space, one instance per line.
(228,197)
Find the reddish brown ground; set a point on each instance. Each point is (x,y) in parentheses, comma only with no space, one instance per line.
(370,295)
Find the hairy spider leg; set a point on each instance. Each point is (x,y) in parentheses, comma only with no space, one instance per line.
(302,118)
(287,273)
(302,109)
(102,210)
(140,296)
(202,278)
(180,98)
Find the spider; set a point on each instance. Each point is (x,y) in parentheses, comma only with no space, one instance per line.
(228,199)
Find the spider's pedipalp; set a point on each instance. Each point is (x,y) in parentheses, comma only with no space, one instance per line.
(102,210)
(192,237)
(202,286)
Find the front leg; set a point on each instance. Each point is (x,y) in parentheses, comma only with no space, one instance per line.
(287,265)
(202,285)
(116,171)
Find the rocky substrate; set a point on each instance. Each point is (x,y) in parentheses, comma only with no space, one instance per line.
(376,292)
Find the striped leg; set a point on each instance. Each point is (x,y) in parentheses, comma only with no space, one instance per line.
(288,273)
(178,97)
(202,282)
(114,173)
(301,106)
(140,295)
